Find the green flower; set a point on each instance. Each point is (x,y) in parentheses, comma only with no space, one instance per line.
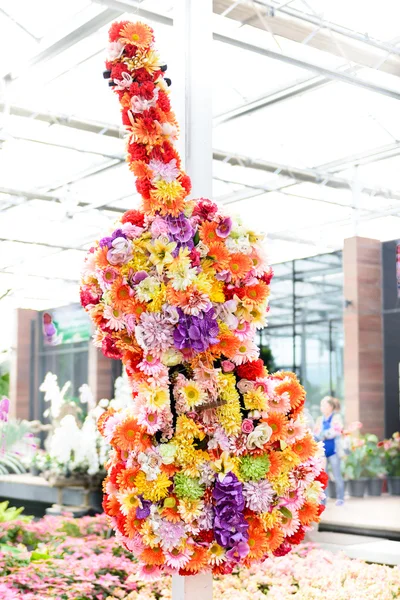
(253,468)
(188,487)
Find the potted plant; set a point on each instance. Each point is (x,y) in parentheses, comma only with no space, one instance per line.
(391,449)
(374,467)
(354,468)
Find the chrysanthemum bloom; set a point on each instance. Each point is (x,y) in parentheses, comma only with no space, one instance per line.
(211,465)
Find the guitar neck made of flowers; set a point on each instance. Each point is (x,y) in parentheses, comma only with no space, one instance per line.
(137,76)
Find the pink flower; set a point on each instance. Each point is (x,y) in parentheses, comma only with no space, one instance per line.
(227,366)
(247,426)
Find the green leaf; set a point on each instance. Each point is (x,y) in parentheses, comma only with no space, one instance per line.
(286,512)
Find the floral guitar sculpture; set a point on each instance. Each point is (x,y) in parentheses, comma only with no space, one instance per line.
(212,465)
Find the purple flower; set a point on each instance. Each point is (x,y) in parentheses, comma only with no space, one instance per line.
(180,228)
(238,552)
(138,277)
(107,241)
(143,513)
(224,228)
(196,332)
(230,526)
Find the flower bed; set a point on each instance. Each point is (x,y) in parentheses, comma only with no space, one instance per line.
(73,559)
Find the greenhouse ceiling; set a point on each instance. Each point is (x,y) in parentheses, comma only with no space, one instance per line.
(305,129)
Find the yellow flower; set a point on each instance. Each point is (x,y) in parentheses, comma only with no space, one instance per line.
(161,253)
(313,492)
(155,397)
(167,191)
(270,519)
(129,500)
(152,490)
(148,537)
(186,428)
(280,484)
(193,394)
(229,414)
(224,465)
(216,554)
(156,304)
(190,510)
(289,460)
(255,400)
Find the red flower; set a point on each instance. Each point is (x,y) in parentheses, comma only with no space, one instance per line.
(321,508)
(297,537)
(147,90)
(251,370)
(130,50)
(104,503)
(283,549)
(194,257)
(87,297)
(205,209)
(186,183)
(117,70)
(143,186)
(121,520)
(125,117)
(323,478)
(137,151)
(223,569)
(268,276)
(135,217)
(163,101)
(114,31)
(109,349)
(114,472)
(134,89)
(206,536)
(142,75)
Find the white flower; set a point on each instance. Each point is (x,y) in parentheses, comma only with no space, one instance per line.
(146,289)
(183,277)
(114,50)
(170,131)
(139,104)
(260,436)
(168,452)
(150,463)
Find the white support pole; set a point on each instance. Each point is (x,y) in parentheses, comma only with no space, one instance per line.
(191,75)
(195,587)
(192,101)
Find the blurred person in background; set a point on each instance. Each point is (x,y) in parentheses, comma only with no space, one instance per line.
(328,429)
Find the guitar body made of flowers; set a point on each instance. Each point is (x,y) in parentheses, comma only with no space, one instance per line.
(212,465)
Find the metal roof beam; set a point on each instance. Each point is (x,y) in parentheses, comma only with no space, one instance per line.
(295,25)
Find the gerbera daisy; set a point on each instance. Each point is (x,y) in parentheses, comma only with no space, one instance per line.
(255,399)
(126,478)
(274,538)
(228,344)
(256,294)
(292,386)
(304,448)
(137,34)
(101,258)
(156,398)
(258,544)
(295,430)
(150,364)
(218,255)
(247,351)
(278,423)
(129,501)
(149,572)
(198,560)
(112,507)
(194,302)
(290,524)
(153,556)
(216,554)
(239,265)
(121,296)
(243,330)
(293,499)
(190,510)
(176,558)
(170,510)
(106,277)
(193,394)
(151,420)
(115,318)
(308,513)
(208,233)
(126,433)
(279,403)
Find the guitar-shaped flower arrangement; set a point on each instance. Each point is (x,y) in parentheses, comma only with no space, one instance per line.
(212,465)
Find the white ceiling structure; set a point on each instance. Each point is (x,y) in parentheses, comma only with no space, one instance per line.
(306,129)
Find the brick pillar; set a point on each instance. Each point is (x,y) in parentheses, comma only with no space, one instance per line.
(100,378)
(21,373)
(363,331)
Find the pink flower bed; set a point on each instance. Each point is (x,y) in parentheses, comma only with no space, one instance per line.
(73,559)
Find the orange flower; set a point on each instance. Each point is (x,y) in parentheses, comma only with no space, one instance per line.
(275,464)
(274,538)
(137,34)
(153,556)
(101,258)
(198,560)
(120,296)
(141,169)
(208,233)
(292,386)
(256,293)
(278,423)
(228,344)
(132,524)
(164,206)
(169,470)
(305,448)
(239,265)
(129,435)
(147,133)
(177,298)
(126,478)
(219,255)
(308,513)
(171,514)
(112,507)
(258,543)
(101,421)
